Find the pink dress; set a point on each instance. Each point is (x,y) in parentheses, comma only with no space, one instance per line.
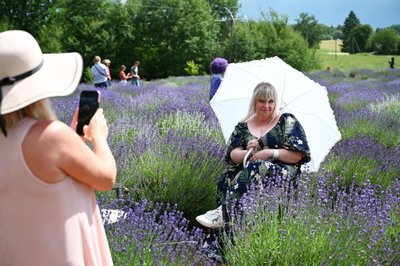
(45,224)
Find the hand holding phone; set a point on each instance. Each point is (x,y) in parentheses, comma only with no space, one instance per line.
(88,105)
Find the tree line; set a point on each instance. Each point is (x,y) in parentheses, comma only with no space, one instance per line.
(177,37)
(359,38)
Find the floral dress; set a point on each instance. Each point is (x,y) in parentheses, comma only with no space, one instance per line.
(287,133)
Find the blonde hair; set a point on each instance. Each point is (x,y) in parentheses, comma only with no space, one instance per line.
(97,59)
(40,110)
(263,91)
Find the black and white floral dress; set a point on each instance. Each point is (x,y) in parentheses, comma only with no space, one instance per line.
(287,134)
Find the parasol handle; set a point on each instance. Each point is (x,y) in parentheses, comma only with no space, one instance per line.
(245,162)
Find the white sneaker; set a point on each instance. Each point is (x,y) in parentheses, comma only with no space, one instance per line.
(211,219)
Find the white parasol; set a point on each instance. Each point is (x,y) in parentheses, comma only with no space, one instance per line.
(297,94)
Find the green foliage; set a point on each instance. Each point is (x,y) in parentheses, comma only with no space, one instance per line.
(5,25)
(28,15)
(385,41)
(331,32)
(49,39)
(358,169)
(163,173)
(122,38)
(84,28)
(87,76)
(396,27)
(274,37)
(361,34)
(191,68)
(348,36)
(163,52)
(246,33)
(125,31)
(309,28)
(225,28)
(224,8)
(190,124)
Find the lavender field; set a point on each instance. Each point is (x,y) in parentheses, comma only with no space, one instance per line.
(169,151)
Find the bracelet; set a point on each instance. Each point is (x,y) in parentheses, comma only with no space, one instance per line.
(275,154)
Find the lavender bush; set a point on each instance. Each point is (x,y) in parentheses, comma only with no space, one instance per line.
(157,237)
(317,225)
(169,151)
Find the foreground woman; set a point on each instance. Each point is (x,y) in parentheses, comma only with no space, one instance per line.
(48,210)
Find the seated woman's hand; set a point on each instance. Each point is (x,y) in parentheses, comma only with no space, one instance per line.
(261,155)
(252,144)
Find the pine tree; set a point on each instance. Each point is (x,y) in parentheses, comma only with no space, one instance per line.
(349,42)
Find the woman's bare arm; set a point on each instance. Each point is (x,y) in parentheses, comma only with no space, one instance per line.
(52,149)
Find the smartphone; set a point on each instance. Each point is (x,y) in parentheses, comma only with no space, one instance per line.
(88,104)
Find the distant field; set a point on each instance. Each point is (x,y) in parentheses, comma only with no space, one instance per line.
(343,61)
(329,45)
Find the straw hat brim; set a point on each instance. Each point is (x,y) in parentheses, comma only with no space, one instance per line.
(59,76)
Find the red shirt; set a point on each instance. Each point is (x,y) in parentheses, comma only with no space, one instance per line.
(122,75)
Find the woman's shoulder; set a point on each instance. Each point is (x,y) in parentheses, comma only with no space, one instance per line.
(53,137)
(287,116)
(240,128)
(241,124)
(51,131)
(51,126)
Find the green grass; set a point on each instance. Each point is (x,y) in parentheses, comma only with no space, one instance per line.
(335,59)
(346,62)
(358,169)
(192,124)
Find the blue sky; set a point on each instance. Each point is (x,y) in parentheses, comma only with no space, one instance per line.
(376,13)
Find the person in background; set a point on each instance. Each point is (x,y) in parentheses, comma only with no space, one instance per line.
(99,72)
(107,63)
(391,63)
(122,76)
(48,209)
(135,74)
(218,67)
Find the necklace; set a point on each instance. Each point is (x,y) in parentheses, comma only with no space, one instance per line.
(259,127)
(263,132)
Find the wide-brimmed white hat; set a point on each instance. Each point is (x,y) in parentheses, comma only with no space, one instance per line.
(27,75)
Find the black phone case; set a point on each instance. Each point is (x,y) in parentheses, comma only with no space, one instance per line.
(88,105)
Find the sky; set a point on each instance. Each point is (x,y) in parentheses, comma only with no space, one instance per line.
(376,13)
